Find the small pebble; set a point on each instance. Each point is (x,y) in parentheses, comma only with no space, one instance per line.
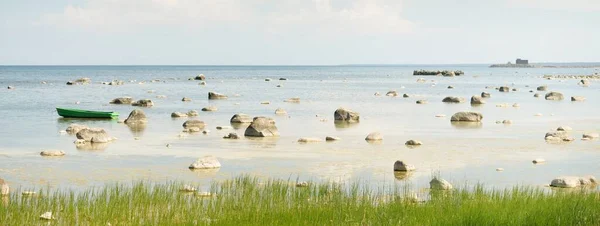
(499,169)
(537,161)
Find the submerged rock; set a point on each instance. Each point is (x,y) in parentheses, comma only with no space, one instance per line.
(485,95)
(52,153)
(577,98)
(375,136)
(439,184)
(262,127)
(189,124)
(572,181)
(477,100)
(186,99)
(467,117)
(122,100)
(178,115)
(405,95)
(421,102)
(200,77)
(332,138)
(143,103)
(210,108)
(554,96)
(94,135)
(216,96)
(293,100)
(538,161)
(453,100)
(136,116)
(504,89)
(280,111)
(591,135)
(206,162)
(392,93)
(192,113)
(240,118)
(413,142)
(309,140)
(401,166)
(346,115)
(231,136)
(75,128)
(542,88)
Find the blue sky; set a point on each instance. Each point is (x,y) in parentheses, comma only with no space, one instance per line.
(297,32)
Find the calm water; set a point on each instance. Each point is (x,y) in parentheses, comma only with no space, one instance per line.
(461,154)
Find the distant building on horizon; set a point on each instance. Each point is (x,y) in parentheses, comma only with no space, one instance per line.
(522,61)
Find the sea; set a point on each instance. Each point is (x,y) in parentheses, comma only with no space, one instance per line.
(462,154)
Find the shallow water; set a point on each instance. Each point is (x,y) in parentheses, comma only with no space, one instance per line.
(460,153)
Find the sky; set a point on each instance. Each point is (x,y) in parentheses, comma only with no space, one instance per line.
(297,32)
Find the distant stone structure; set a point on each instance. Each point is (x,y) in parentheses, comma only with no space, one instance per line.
(522,61)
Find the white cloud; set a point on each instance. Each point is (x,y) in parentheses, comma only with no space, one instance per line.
(356,16)
(559,5)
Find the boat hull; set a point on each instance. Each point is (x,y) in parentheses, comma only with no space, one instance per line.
(76,113)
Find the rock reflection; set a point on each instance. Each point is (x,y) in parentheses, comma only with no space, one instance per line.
(264,142)
(137,129)
(339,125)
(466,125)
(205,173)
(91,146)
(400,175)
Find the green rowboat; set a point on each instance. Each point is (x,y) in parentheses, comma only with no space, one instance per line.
(76,113)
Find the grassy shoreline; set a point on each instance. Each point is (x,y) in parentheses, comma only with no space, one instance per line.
(249,201)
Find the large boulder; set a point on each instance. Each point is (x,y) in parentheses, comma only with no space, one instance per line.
(240,118)
(216,96)
(143,103)
(504,89)
(591,135)
(136,116)
(94,135)
(401,166)
(466,116)
(346,115)
(557,136)
(554,96)
(206,162)
(75,128)
(192,113)
(200,77)
(477,100)
(262,127)
(439,184)
(122,100)
(392,93)
(209,108)
(190,124)
(453,100)
(52,153)
(80,81)
(542,88)
(413,142)
(178,115)
(4,188)
(572,181)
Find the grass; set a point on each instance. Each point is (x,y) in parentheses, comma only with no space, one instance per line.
(249,201)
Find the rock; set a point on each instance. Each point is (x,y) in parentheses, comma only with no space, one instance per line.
(536,95)
(46,216)
(421,101)
(200,77)
(453,100)
(231,136)
(564,128)
(309,140)
(283,79)
(515,105)
(572,181)
(405,95)
(223,127)
(577,98)
(161,96)
(450,87)
(178,115)
(143,103)
(203,131)
(391,93)
(206,162)
(10,87)
(280,111)
(75,128)
(79,142)
(4,188)
(440,115)
(240,118)
(94,135)
(486,95)
(267,79)
(401,166)
(136,116)
(192,113)
(81,81)
(514,89)
(504,89)
(194,124)
(537,161)
(375,136)
(542,88)
(413,142)
(187,188)
(186,99)
(437,73)
(377,94)
(330,138)
(52,153)
(262,127)
(191,130)
(554,96)
(302,184)
(477,100)
(203,83)
(467,117)
(591,135)
(265,102)
(116,83)
(506,121)
(346,115)
(439,184)
(210,108)
(499,169)
(557,136)
(584,82)
(204,194)
(293,100)
(216,96)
